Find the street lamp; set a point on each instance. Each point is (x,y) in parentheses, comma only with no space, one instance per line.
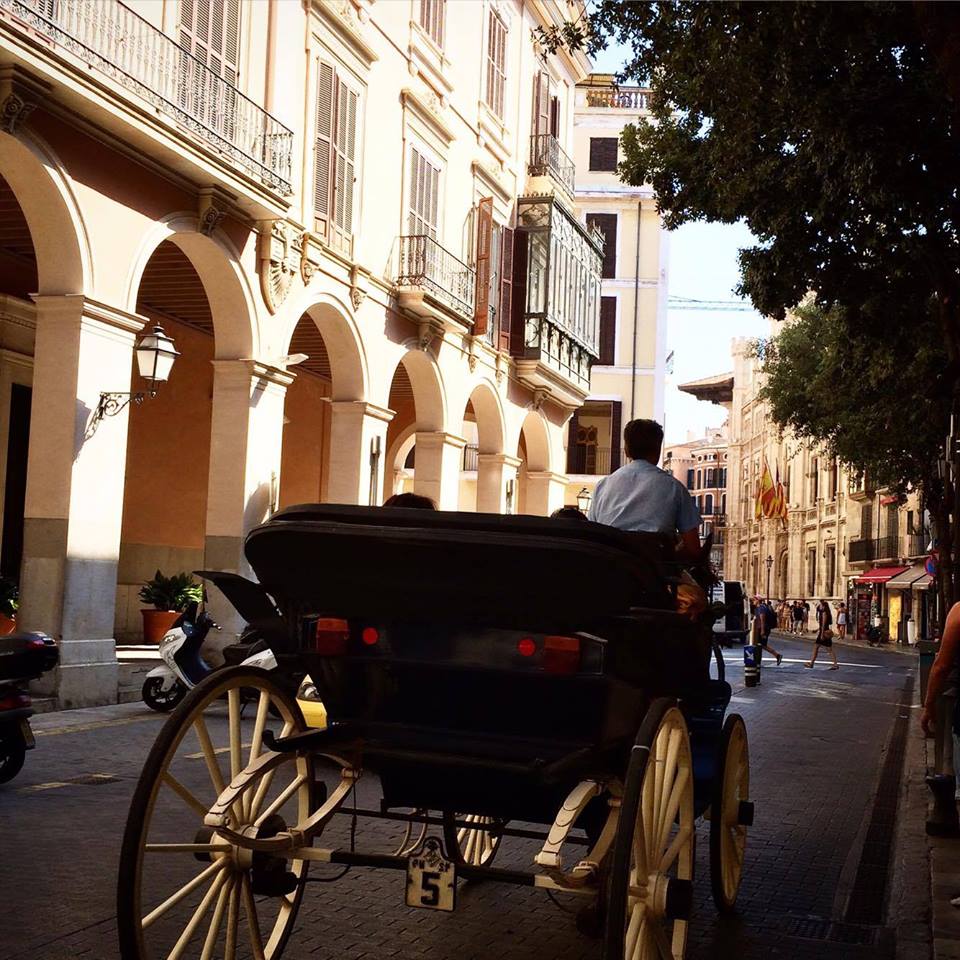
(583,501)
(155,358)
(769,563)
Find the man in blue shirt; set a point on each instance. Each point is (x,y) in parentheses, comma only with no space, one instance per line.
(641,496)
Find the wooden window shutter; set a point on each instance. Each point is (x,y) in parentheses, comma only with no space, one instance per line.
(603,153)
(572,444)
(608,331)
(606,223)
(210,30)
(518,306)
(506,286)
(345,145)
(541,103)
(481,310)
(323,156)
(616,431)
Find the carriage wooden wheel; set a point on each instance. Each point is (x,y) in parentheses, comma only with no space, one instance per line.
(731,812)
(471,838)
(651,876)
(182,888)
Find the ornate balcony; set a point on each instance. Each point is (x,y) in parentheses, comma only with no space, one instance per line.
(433,281)
(618,98)
(588,461)
(556,312)
(547,158)
(133,53)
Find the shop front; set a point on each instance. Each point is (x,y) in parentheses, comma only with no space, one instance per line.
(907,604)
(868,601)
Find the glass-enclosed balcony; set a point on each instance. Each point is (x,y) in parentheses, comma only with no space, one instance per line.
(118,43)
(559,263)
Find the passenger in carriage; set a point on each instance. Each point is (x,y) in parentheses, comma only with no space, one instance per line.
(414,500)
(641,496)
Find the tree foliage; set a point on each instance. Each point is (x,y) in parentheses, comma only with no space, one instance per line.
(858,397)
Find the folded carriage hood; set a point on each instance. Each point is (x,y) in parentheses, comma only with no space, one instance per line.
(422,565)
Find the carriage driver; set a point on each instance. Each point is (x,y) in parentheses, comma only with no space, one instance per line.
(641,496)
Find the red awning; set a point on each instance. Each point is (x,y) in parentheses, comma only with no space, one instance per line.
(880,574)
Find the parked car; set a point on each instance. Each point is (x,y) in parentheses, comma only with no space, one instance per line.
(735,623)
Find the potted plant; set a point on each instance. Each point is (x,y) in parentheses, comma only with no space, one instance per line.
(9,601)
(168,597)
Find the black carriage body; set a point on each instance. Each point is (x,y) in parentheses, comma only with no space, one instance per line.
(454,678)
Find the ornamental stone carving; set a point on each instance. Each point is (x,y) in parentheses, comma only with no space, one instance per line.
(280,261)
(13,111)
(213,205)
(20,94)
(310,253)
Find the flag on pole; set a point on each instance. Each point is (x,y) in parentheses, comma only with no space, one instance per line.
(766,494)
(781,501)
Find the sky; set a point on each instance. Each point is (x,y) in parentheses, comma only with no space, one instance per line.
(703,266)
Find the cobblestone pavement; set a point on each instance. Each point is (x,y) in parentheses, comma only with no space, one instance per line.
(817,743)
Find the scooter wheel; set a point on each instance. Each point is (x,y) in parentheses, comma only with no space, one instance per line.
(12,753)
(163,701)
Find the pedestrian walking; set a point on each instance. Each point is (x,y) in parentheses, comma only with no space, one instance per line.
(806,616)
(765,620)
(841,621)
(796,614)
(824,635)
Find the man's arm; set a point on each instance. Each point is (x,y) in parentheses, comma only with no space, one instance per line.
(593,512)
(946,658)
(689,545)
(688,525)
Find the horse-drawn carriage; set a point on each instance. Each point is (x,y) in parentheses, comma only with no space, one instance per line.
(501,677)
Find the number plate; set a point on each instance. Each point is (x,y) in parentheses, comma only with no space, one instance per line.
(431,878)
(27,734)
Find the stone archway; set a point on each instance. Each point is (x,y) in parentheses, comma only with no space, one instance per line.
(488,473)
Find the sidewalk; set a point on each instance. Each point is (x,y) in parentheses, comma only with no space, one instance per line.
(811,635)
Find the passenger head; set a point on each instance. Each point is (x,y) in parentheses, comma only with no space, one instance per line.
(642,440)
(568,513)
(414,500)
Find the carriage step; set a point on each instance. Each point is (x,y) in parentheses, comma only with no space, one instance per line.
(308,740)
(745,813)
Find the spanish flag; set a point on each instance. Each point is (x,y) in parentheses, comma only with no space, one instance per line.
(766,494)
(780,501)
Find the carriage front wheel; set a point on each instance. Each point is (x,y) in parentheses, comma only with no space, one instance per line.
(731,812)
(470,838)
(183,889)
(651,876)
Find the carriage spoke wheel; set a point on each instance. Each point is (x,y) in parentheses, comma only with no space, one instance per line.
(730,813)
(651,876)
(184,890)
(475,844)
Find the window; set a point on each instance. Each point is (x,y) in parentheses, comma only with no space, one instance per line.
(334,174)
(811,571)
(608,331)
(699,479)
(603,154)
(432,16)
(723,477)
(866,521)
(424,204)
(711,477)
(210,31)
(606,223)
(831,569)
(496,64)
(708,505)
(690,479)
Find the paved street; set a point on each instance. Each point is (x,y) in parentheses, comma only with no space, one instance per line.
(818,742)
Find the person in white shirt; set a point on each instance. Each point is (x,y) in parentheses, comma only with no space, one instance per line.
(641,496)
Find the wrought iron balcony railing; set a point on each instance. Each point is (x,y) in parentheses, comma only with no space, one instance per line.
(144,60)
(548,158)
(884,548)
(425,264)
(471,457)
(588,461)
(614,98)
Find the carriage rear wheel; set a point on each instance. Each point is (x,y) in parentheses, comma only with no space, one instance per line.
(475,844)
(731,812)
(651,876)
(183,889)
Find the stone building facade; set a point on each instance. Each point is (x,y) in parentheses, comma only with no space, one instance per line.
(357,223)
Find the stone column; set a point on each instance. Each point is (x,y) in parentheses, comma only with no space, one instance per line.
(246,436)
(356,430)
(546,492)
(494,473)
(74,497)
(437,467)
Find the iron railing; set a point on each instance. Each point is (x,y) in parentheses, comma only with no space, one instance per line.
(548,158)
(588,461)
(884,548)
(425,264)
(618,99)
(144,60)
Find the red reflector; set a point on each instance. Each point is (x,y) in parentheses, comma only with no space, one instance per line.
(526,647)
(331,636)
(561,654)
(370,636)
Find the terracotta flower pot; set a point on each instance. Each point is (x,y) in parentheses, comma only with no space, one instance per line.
(7,624)
(156,623)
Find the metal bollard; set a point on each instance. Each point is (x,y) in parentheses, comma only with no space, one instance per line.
(751,664)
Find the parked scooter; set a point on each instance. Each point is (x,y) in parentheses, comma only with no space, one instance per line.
(183,666)
(23,657)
